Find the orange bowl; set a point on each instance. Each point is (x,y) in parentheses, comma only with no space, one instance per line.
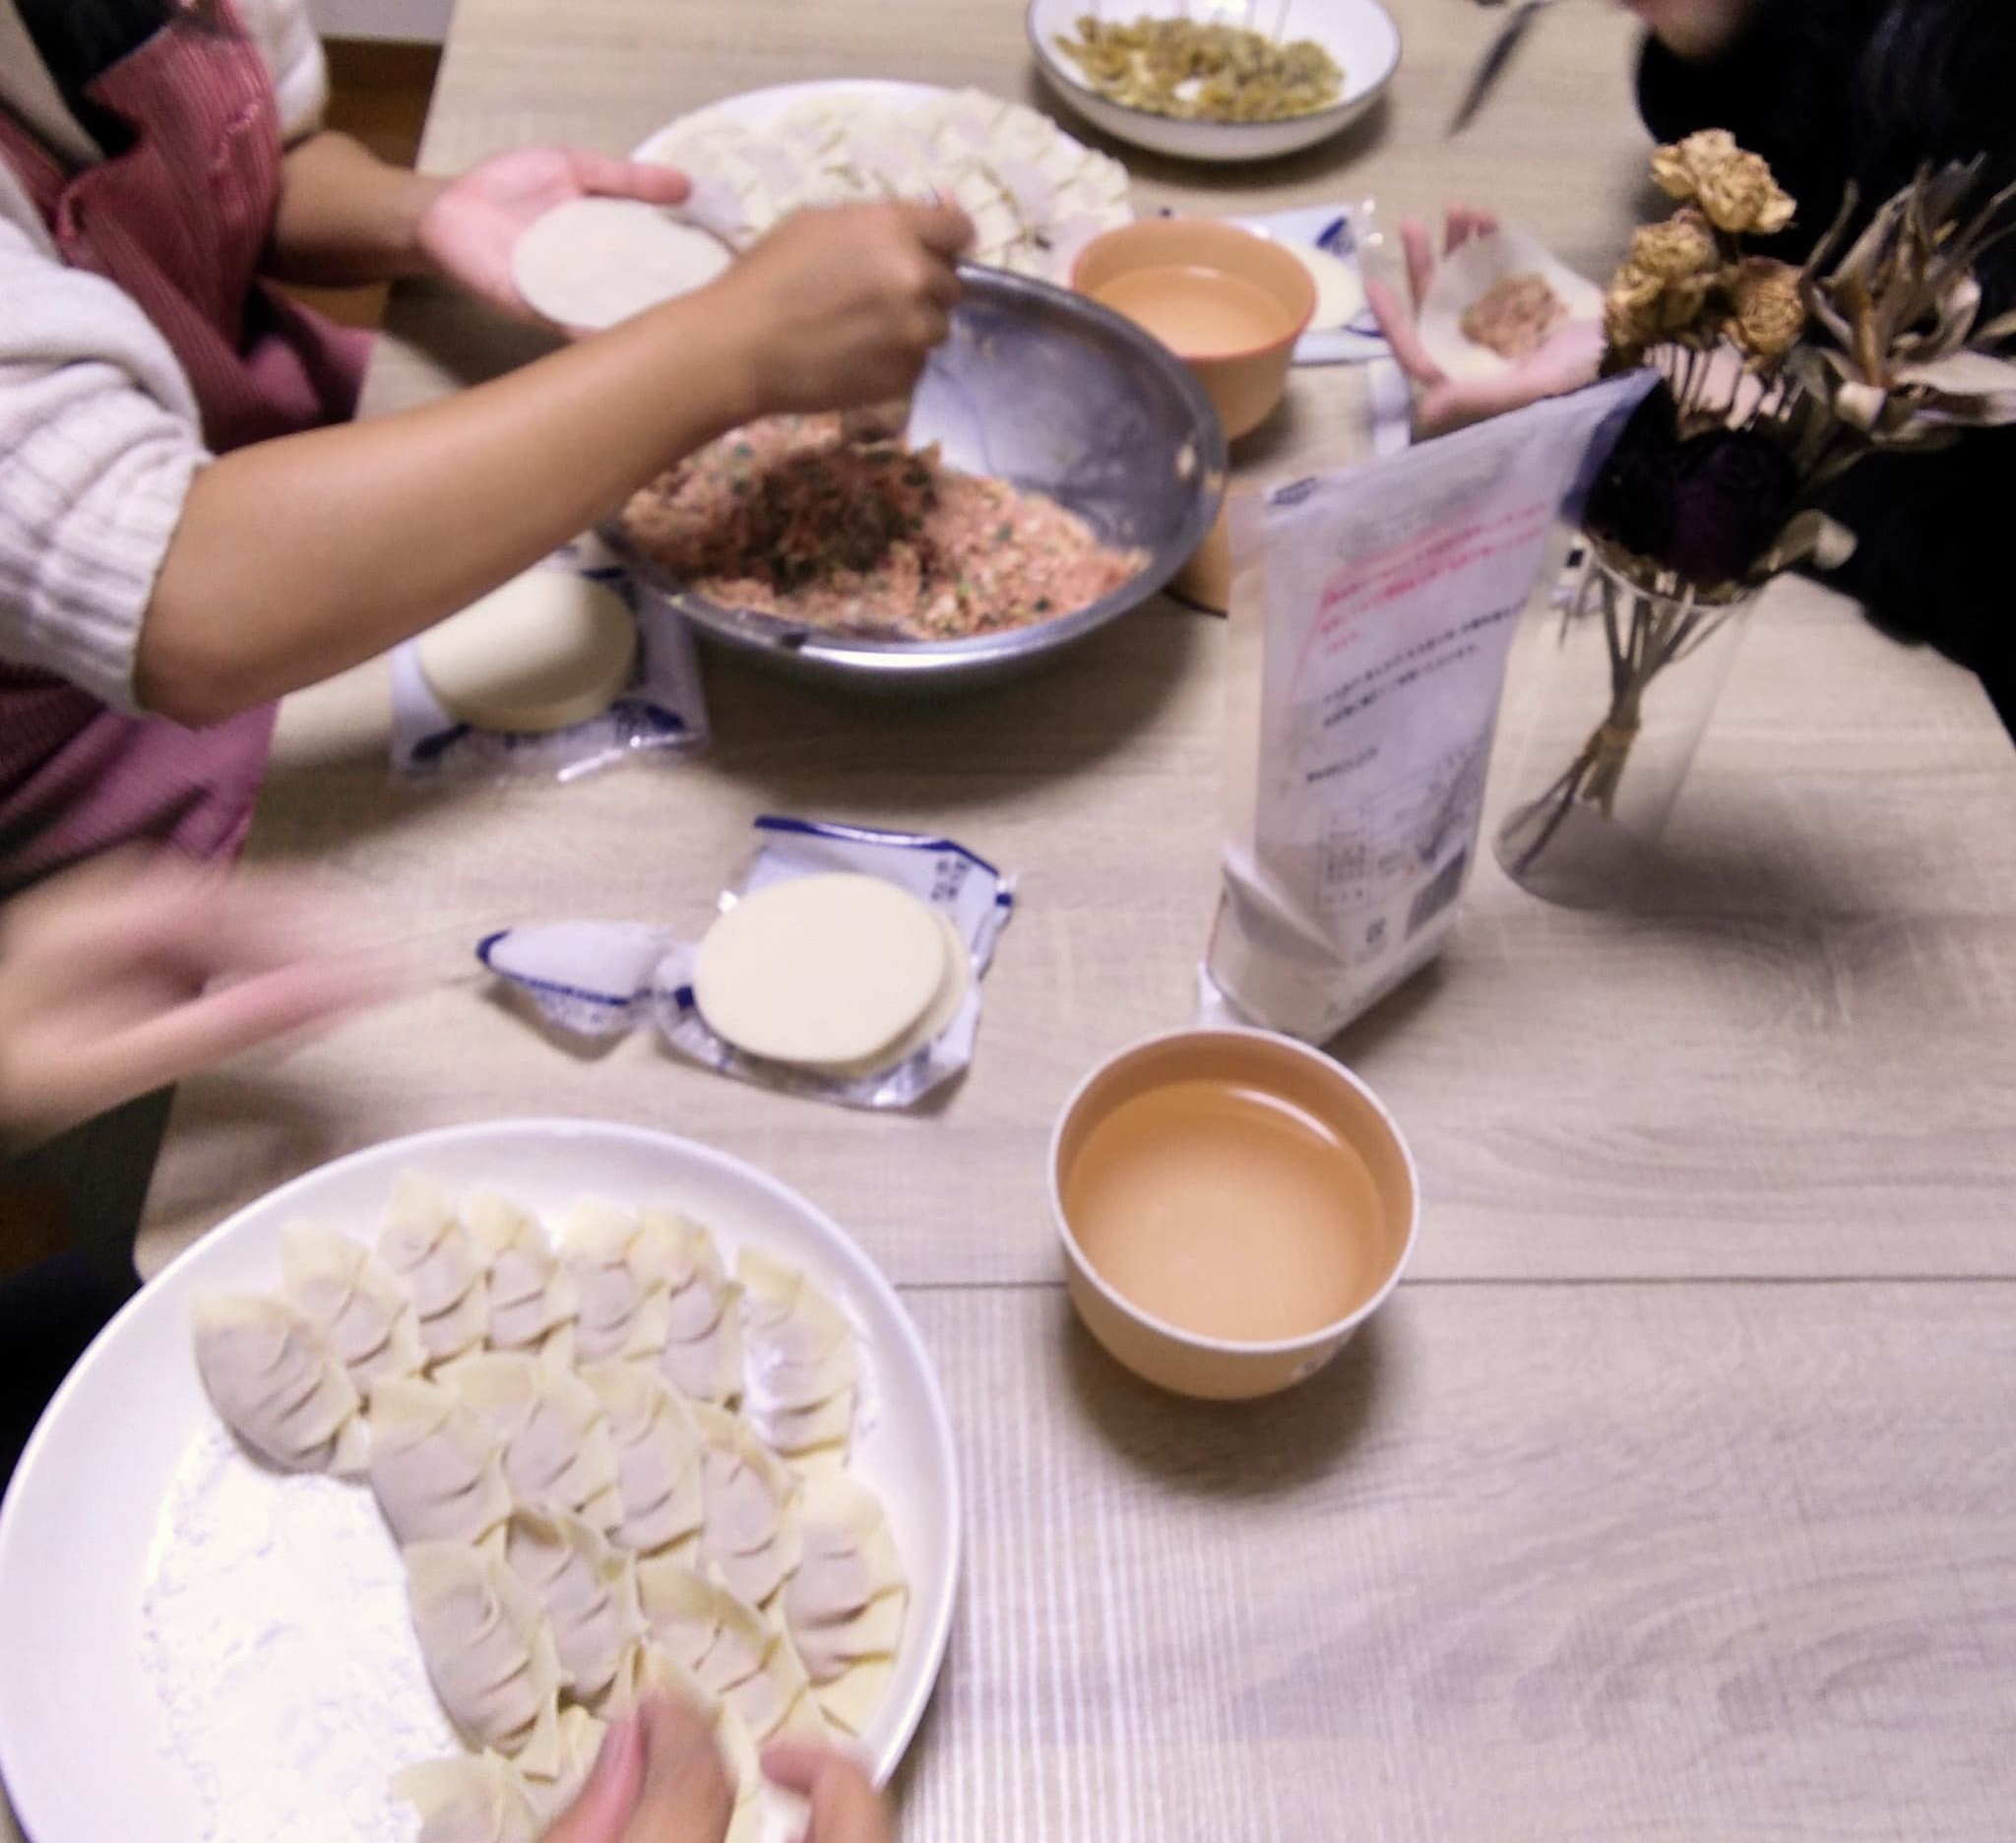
(1229,303)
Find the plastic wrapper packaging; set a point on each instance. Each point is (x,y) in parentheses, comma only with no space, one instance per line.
(602,978)
(663,711)
(1372,613)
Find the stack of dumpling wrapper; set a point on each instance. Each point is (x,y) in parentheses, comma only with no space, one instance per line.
(612,1468)
(1036,196)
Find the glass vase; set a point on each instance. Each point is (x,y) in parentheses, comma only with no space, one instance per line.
(1632,678)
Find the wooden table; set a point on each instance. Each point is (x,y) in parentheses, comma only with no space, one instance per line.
(1674,1496)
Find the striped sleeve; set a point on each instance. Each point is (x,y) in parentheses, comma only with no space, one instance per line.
(100,440)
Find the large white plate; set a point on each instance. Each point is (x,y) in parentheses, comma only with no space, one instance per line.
(85,1747)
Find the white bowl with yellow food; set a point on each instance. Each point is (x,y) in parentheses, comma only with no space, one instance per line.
(1225,80)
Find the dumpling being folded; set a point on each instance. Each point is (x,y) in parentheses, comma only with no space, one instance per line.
(530,1295)
(845,1606)
(751,1535)
(346,1290)
(657,1457)
(470,1798)
(653,1671)
(553,1774)
(703,1348)
(622,1267)
(486,1644)
(435,1258)
(437,1468)
(557,1452)
(588,1589)
(278,1382)
(802,1373)
(730,1647)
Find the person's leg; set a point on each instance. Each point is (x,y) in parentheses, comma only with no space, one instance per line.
(49,1317)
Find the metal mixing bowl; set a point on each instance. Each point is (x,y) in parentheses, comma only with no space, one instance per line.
(1052,392)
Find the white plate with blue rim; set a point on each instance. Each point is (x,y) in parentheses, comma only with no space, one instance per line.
(96,1725)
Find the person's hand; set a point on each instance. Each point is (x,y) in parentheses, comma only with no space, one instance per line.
(846,1807)
(660,1778)
(1566,361)
(844,307)
(466,233)
(123,975)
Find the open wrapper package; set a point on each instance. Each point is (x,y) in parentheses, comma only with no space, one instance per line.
(1373,611)
(605,978)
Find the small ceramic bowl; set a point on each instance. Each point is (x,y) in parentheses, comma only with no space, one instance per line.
(1186,1362)
(1227,302)
(1360,34)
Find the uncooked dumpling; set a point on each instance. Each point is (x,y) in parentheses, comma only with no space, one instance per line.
(557,1454)
(800,1360)
(703,1350)
(436,1259)
(277,1381)
(730,1647)
(470,1798)
(587,1590)
(657,1457)
(486,1644)
(346,1290)
(531,1294)
(553,1774)
(751,1535)
(437,1468)
(846,1605)
(623,1269)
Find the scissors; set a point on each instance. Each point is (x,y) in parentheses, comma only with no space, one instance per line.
(1496,59)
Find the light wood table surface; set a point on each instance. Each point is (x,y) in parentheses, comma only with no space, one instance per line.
(1674,1496)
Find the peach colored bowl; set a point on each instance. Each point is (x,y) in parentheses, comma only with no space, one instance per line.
(1244,386)
(1187,1362)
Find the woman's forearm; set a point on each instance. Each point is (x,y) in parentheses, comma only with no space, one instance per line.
(297,559)
(346,219)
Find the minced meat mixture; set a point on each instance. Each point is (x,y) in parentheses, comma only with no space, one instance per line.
(833,525)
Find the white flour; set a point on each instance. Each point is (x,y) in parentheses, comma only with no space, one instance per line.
(275,1634)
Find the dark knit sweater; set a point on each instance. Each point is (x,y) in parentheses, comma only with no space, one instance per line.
(1834,91)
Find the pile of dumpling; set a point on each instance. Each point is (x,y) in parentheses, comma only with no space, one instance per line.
(612,1468)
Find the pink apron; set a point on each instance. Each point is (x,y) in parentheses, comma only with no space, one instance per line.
(179,221)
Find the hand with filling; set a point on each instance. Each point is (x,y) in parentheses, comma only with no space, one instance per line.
(1565,362)
(122,977)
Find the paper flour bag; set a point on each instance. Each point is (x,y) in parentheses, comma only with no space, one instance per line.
(1372,612)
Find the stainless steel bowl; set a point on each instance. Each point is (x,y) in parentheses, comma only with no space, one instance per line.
(1052,393)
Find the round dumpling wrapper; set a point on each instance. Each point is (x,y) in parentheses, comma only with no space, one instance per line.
(548,650)
(592,262)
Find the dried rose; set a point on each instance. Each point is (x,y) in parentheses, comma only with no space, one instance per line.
(1736,489)
(1681,247)
(1741,197)
(1678,309)
(1632,500)
(1678,170)
(1770,310)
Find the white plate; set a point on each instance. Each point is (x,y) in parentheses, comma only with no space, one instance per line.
(1360,34)
(85,1746)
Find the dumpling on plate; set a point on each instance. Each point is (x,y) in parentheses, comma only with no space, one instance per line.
(847,1604)
(531,1294)
(587,1590)
(470,1798)
(486,1644)
(557,1454)
(623,1270)
(553,1774)
(739,1654)
(658,1458)
(435,1258)
(800,1360)
(751,1535)
(278,1382)
(350,1294)
(703,1348)
(436,1468)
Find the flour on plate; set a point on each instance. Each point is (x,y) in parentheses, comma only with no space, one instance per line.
(275,1637)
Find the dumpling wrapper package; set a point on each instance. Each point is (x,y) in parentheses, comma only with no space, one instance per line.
(588,691)
(1373,611)
(1468,273)
(601,979)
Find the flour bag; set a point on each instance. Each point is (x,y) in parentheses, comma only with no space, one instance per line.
(1372,613)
